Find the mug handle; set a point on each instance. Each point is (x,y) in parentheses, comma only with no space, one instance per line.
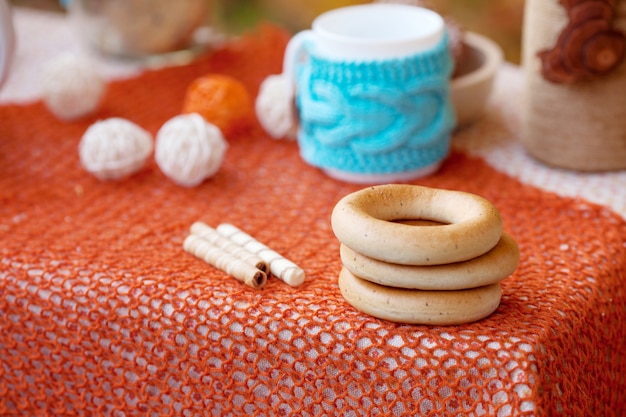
(294,53)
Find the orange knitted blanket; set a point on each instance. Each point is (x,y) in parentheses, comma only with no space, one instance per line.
(103,313)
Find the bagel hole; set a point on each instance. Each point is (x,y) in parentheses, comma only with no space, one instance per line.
(419,222)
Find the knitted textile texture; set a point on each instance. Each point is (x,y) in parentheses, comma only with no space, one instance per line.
(102,312)
(375,117)
(71,86)
(114,148)
(189,149)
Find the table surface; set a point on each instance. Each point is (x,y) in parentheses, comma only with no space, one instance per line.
(102,312)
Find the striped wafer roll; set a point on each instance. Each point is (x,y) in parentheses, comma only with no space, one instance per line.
(281,267)
(213,237)
(225,261)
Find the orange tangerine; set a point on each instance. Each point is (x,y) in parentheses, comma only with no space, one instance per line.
(220,99)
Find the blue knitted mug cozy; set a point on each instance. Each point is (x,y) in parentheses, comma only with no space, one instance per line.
(375,117)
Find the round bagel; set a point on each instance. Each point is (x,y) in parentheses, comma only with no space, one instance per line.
(490,268)
(368,222)
(440,308)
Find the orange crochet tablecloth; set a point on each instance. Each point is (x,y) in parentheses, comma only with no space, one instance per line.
(103,313)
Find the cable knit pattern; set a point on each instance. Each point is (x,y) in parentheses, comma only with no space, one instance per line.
(375,117)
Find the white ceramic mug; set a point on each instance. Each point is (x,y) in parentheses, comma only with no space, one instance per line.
(367,32)
(7,40)
(358,65)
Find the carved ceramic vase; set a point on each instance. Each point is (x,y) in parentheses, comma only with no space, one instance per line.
(575,83)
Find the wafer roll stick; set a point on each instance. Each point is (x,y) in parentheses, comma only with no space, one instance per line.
(213,237)
(225,261)
(281,267)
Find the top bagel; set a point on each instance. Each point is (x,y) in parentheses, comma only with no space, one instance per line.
(368,221)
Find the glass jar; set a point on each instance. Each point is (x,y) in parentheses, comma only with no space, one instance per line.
(143,28)
(7,40)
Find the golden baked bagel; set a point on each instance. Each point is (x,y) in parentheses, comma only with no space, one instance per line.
(490,268)
(419,307)
(368,222)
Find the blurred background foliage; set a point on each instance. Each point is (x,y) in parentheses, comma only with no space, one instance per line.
(500,20)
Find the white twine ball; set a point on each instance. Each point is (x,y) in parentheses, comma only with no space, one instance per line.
(71,86)
(189,149)
(114,148)
(274,108)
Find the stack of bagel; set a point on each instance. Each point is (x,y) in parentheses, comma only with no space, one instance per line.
(420,255)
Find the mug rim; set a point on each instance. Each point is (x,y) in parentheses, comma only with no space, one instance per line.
(432,35)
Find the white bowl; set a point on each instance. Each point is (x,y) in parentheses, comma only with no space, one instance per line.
(477,70)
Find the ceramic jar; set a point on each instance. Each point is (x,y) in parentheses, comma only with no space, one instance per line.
(575,78)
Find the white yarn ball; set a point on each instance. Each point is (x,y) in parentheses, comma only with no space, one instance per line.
(189,149)
(274,108)
(71,86)
(114,148)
